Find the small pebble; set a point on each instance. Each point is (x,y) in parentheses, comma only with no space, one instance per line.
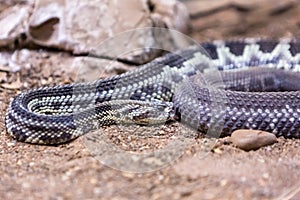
(9,144)
(218,151)
(252,139)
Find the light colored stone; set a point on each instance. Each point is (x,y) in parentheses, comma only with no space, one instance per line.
(13,22)
(111,30)
(85,26)
(252,139)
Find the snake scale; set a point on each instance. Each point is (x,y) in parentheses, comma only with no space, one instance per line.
(252,83)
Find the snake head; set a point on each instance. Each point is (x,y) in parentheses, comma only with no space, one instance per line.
(147,113)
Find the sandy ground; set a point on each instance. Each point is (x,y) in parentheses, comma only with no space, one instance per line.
(199,171)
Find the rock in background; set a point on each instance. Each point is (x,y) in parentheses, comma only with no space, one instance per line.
(112,31)
(81,26)
(240,18)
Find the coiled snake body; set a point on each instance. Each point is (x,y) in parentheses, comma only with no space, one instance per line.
(250,84)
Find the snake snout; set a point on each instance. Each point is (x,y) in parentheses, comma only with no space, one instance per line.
(150,113)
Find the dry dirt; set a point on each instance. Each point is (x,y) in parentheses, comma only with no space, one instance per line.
(70,171)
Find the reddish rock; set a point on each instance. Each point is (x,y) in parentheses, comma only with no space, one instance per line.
(252,139)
